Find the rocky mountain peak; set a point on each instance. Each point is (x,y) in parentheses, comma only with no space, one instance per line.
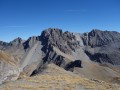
(97,38)
(51,33)
(65,41)
(17,41)
(102,45)
(4,43)
(95,32)
(31,41)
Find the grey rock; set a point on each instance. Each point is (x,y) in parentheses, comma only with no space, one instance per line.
(70,66)
(105,45)
(99,38)
(65,41)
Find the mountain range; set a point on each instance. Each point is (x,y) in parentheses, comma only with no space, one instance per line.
(92,57)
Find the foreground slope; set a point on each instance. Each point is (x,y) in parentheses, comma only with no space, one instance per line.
(56,78)
(8,68)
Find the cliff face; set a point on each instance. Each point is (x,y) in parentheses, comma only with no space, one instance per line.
(64,41)
(104,46)
(98,38)
(72,51)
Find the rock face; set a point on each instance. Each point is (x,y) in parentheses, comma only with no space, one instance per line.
(98,38)
(72,51)
(103,46)
(65,41)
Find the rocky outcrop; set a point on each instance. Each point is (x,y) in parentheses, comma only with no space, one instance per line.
(17,41)
(70,66)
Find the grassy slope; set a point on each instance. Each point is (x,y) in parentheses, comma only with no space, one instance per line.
(6,58)
(55,78)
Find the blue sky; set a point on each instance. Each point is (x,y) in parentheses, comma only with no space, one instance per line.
(24,18)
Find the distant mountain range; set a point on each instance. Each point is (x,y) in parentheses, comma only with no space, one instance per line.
(94,55)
